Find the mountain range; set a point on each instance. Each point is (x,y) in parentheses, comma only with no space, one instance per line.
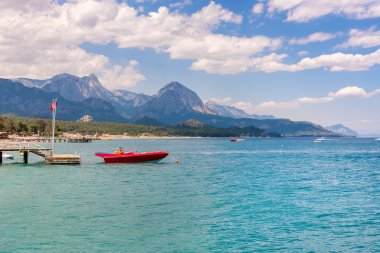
(343,130)
(171,105)
(18,99)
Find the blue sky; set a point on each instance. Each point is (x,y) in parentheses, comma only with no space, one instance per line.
(301,59)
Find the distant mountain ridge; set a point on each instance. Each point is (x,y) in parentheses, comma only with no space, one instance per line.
(173,104)
(343,130)
(233,112)
(134,99)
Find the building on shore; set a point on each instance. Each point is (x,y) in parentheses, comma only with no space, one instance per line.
(4,135)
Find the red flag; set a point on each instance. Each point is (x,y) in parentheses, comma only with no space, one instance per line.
(53,105)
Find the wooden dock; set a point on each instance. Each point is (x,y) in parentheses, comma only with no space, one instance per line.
(62,159)
(25,151)
(43,152)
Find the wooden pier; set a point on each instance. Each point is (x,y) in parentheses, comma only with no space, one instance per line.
(43,152)
(62,159)
(25,151)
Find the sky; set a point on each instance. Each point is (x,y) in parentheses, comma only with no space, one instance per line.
(306,60)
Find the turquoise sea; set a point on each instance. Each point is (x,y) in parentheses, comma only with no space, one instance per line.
(258,195)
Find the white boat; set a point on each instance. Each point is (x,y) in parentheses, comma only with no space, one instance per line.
(378,139)
(8,156)
(319,139)
(322,139)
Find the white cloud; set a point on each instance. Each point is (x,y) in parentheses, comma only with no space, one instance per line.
(353,91)
(122,77)
(230,55)
(181,4)
(315,37)
(350,91)
(44,38)
(45,42)
(362,38)
(245,106)
(41,38)
(22,5)
(274,62)
(220,101)
(302,53)
(341,62)
(305,10)
(258,8)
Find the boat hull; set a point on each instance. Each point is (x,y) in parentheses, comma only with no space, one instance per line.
(8,156)
(133,157)
(236,139)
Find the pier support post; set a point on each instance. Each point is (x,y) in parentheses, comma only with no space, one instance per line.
(1,157)
(26,157)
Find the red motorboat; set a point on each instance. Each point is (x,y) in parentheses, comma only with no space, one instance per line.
(133,157)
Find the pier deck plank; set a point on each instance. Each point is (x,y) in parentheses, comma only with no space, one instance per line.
(62,159)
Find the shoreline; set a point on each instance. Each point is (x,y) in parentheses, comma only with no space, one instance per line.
(106,137)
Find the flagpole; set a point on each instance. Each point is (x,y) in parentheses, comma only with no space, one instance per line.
(53,125)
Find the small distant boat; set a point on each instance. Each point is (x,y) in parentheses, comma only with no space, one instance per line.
(322,139)
(319,139)
(378,139)
(133,157)
(8,156)
(236,139)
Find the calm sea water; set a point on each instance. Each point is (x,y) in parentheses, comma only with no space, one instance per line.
(290,195)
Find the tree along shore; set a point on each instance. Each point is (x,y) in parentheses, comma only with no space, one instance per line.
(31,126)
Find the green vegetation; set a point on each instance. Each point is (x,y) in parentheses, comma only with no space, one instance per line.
(27,126)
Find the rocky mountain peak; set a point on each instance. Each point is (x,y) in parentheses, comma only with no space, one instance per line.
(176,87)
(77,88)
(93,81)
(174,98)
(64,76)
(93,76)
(179,93)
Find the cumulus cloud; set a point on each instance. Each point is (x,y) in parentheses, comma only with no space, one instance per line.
(274,62)
(362,38)
(258,8)
(315,37)
(335,62)
(353,91)
(122,76)
(350,91)
(45,42)
(22,5)
(341,61)
(305,10)
(41,38)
